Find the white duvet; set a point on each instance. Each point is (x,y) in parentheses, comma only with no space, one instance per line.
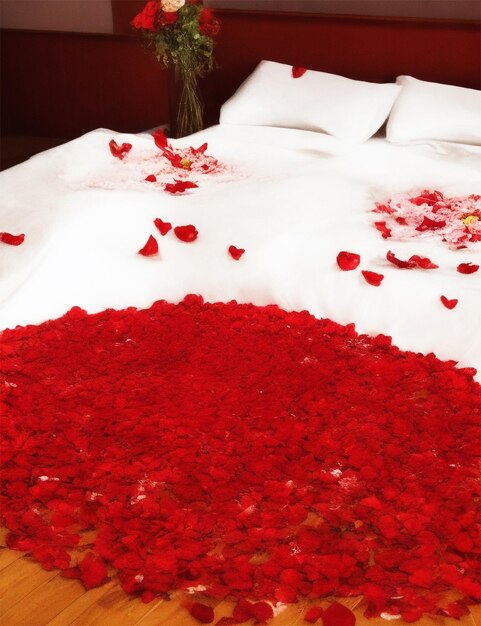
(292,199)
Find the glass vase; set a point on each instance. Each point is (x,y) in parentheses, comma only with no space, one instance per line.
(190,108)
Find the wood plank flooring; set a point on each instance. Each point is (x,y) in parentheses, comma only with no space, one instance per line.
(31,596)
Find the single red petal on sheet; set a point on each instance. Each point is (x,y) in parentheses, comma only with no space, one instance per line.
(392,258)
(348,261)
(150,248)
(180,186)
(202,612)
(151,178)
(12,240)
(160,139)
(298,71)
(449,304)
(373,278)
(383,229)
(467,268)
(429,224)
(236,253)
(313,614)
(93,571)
(338,615)
(423,262)
(119,151)
(201,149)
(186,233)
(162,227)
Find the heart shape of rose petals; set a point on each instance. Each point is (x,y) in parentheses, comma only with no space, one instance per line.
(186,233)
(162,227)
(348,261)
(373,278)
(298,71)
(119,151)
(449,304)
(12,240)
(150,248)
(467,268)
(236,253)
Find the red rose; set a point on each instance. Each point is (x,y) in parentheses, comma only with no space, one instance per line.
(146,18)
(169,17)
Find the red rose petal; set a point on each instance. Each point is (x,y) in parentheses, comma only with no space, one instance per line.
(186,233)
(467,268)
(12,240)
(423,262)
(373,278)
(236,253)
(455,609)
(298,71)
(93,571)
(348,261)
(261,612)
(150,248)
(180,186)
(162,227)
(338,615)
(429,224)
(202,612)
(449,304)
(160,139)
(201,149)
(242,611)
(119,151)
(383,229)
(313,614)
(151,178)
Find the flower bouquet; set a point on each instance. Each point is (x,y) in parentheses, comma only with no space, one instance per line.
(180,34)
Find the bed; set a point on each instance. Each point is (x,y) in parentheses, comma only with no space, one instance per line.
(188,279)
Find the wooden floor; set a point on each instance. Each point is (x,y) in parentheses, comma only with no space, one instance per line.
(31,596)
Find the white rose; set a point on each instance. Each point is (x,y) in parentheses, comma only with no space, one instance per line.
(171,6)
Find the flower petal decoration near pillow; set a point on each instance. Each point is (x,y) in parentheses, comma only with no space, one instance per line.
(351,110)
(432,111)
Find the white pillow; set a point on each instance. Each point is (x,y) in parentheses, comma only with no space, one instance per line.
(352,110)
(433,111)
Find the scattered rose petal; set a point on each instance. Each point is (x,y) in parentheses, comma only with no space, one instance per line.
(467,268)
(429,224)
(383,229)
(201,149)
(151,247)
(160,139)
(151,178)
(313,614)
(449,304)
(261,612)
(236,253)
(348,261)
(180,186)
(373,278)
(338,615)
(12,240)
(93,571)
(186,233)
(202,612)
(298,71)
(455,609)
(414,261)
(119,151)
(162,227)
(423,262)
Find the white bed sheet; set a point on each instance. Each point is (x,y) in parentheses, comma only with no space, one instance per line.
(293,199)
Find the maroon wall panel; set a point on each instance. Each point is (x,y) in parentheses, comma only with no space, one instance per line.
(65,84)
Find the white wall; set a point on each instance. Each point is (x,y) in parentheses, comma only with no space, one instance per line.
(449,9)
(91,16)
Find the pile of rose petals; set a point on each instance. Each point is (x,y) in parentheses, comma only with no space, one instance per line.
(262,455)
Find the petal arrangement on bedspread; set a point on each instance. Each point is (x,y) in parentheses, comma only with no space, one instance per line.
(263,455)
